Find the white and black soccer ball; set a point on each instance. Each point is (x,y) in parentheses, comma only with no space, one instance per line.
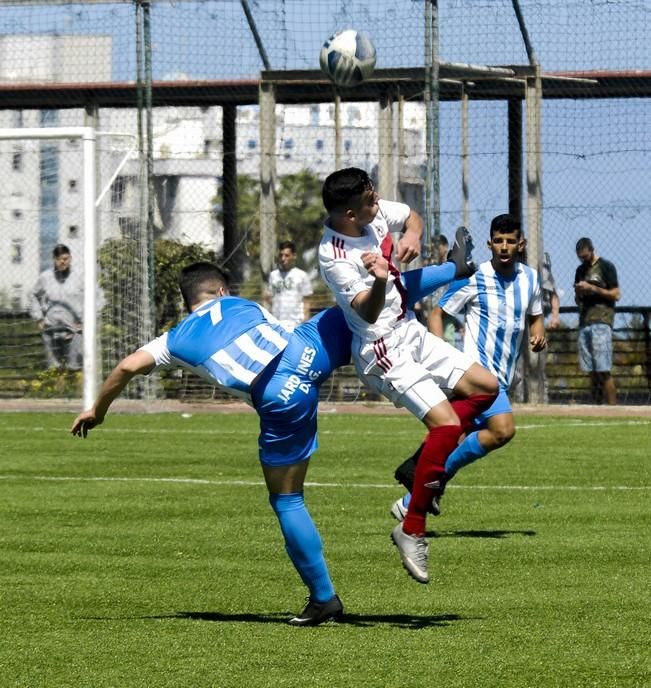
(348,57)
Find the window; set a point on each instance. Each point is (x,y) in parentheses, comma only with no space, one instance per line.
(319,144)
(129,227)
(118,189)
(288,144)
(49,118)
(17,251)
(17,161)
(16,297)
(17,214)
(348,145)
(251,144)
(72,185)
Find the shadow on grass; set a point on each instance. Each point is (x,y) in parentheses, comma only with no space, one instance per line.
(398,620)
(495,534)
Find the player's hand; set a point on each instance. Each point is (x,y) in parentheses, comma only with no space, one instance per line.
(84,422)
(408,247)
(538,343)
(554,322)
(376,265)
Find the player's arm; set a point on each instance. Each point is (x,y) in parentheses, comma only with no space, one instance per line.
(435,321)
(138,363)
(537,338)
(369,304)
(409,244)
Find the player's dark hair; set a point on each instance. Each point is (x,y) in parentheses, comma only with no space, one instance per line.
(505,224)
(584,243)
(287,244)
(342,186)
(194,276)
(60,250)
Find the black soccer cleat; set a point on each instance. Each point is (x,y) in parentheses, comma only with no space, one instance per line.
(316,613)
(461,253)
(407,469)
(438,487)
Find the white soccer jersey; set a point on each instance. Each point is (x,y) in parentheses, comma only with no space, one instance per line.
(496,310)
(342,269)
(288,289)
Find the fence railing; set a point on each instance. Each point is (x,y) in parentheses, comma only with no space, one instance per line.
(21,346)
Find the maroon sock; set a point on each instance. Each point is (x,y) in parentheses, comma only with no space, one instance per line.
(439,444)
(469,408)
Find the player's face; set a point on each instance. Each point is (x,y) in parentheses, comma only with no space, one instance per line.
(62,262)
(364,212)
(505,247)
(286,259)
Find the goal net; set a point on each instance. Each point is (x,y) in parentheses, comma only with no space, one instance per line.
(70,190)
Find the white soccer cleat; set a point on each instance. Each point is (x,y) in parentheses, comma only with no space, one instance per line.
(398,510)
(413,552)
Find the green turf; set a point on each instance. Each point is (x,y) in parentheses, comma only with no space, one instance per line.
(144,581)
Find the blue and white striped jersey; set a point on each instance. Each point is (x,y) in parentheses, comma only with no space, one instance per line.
(496,310)
(228,341)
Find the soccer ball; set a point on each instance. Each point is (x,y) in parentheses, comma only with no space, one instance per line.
(348,57)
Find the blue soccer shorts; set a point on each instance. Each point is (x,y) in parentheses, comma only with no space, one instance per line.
(502,404)
(286,398)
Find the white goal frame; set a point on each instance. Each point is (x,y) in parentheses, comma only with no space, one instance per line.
(88,137)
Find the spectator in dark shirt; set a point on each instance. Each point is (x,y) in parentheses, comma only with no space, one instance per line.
(596,290)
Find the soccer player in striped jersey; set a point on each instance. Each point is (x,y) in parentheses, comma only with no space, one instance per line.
(238,346)
(393,352)
(499,300)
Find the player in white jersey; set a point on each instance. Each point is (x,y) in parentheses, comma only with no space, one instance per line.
(288,289)
(499,301)
(393,353)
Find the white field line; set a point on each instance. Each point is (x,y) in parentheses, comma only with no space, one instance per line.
(355,433)
(374,486)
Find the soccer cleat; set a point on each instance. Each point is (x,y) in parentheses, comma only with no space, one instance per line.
(438,487)
(406,470)
(398,510)
(461,253)
(413,552)
(316,613)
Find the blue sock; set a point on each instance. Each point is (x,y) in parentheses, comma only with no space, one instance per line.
(466,453)
(423,281)
(303,544)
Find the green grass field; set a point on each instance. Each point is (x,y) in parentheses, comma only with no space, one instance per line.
(147,555)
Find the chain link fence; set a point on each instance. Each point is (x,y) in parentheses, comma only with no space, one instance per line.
(172,88)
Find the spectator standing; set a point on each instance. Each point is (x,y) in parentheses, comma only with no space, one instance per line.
(596,290)
(288,289)
(57,306)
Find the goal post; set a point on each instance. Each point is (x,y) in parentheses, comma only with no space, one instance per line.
(23,193)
